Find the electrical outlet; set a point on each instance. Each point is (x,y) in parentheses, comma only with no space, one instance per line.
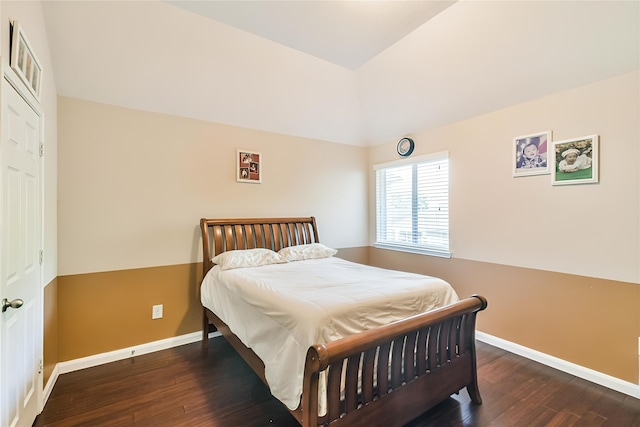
(156,312)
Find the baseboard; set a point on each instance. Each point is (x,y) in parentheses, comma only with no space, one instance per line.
(48,388)
(562,365)
(113,356)
(125,353)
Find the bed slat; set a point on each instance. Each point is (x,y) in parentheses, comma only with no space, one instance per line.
(288,230)
(462,348)
(265,240)
(300,234)
(445,338)
(217,240)
(351,388)
(432,348)
(410,358)
(396,368)
(251,236)
(239,237)
(383,369)
(230,242)
(368,383)
(421,351)
(333,390)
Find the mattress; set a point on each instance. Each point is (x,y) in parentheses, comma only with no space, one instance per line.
(280,310)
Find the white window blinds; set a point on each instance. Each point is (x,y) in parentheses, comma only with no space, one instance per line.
(412,205)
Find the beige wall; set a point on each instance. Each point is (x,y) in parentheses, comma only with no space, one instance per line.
(133,185)
(589,230)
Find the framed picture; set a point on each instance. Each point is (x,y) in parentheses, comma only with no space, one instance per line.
(575,161)
(23,61)
(530,154)
(248,167)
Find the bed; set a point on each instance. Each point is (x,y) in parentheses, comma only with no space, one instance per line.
(358,370)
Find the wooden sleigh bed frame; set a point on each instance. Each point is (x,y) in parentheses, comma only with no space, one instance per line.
(390,374)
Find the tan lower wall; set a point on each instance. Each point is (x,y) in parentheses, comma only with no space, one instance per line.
(591,322)
(50,329)
(594,323)
(101,312)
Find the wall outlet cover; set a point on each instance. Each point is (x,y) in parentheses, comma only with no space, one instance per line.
(156,312)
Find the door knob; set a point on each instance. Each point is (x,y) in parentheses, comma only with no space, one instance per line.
(16,303)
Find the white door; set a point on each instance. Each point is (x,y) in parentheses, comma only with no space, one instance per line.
(20,270)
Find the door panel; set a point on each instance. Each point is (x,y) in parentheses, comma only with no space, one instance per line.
(11,231)
(20,269)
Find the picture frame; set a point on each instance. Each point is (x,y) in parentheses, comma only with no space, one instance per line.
(248,166)
(24,61)
(530,154)
(575,161)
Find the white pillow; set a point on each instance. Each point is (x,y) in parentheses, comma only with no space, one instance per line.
(247,258)
(309,251)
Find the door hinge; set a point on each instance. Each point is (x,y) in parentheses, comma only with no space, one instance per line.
(40,366)
(41,256)
(41,150)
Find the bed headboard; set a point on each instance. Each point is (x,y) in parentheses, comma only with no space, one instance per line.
(220,235)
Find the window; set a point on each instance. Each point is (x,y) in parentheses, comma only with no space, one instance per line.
(412,205)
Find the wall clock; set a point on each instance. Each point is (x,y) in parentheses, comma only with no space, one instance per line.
(405,147)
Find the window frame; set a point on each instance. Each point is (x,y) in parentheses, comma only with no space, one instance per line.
(413,248)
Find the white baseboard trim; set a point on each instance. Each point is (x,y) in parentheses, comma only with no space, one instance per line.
(125,353)
(48,388)
(113,356)
(608,381)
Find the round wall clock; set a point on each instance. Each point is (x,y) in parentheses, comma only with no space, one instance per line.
(405,147)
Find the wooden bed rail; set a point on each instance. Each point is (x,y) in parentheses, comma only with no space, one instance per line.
(416,362)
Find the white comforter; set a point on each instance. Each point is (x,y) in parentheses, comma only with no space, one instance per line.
(280,310)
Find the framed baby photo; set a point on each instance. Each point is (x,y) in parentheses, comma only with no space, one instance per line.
(575,161)
(530,154)
(248,167)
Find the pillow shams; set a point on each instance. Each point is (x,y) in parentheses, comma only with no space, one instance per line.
(241,258)
(309,251)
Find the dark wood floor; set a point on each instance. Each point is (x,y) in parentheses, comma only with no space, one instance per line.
(184,387)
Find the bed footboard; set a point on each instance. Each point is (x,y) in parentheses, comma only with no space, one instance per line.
(394,373)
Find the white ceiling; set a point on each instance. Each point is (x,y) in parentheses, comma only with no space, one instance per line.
(346,33)
(354,72)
